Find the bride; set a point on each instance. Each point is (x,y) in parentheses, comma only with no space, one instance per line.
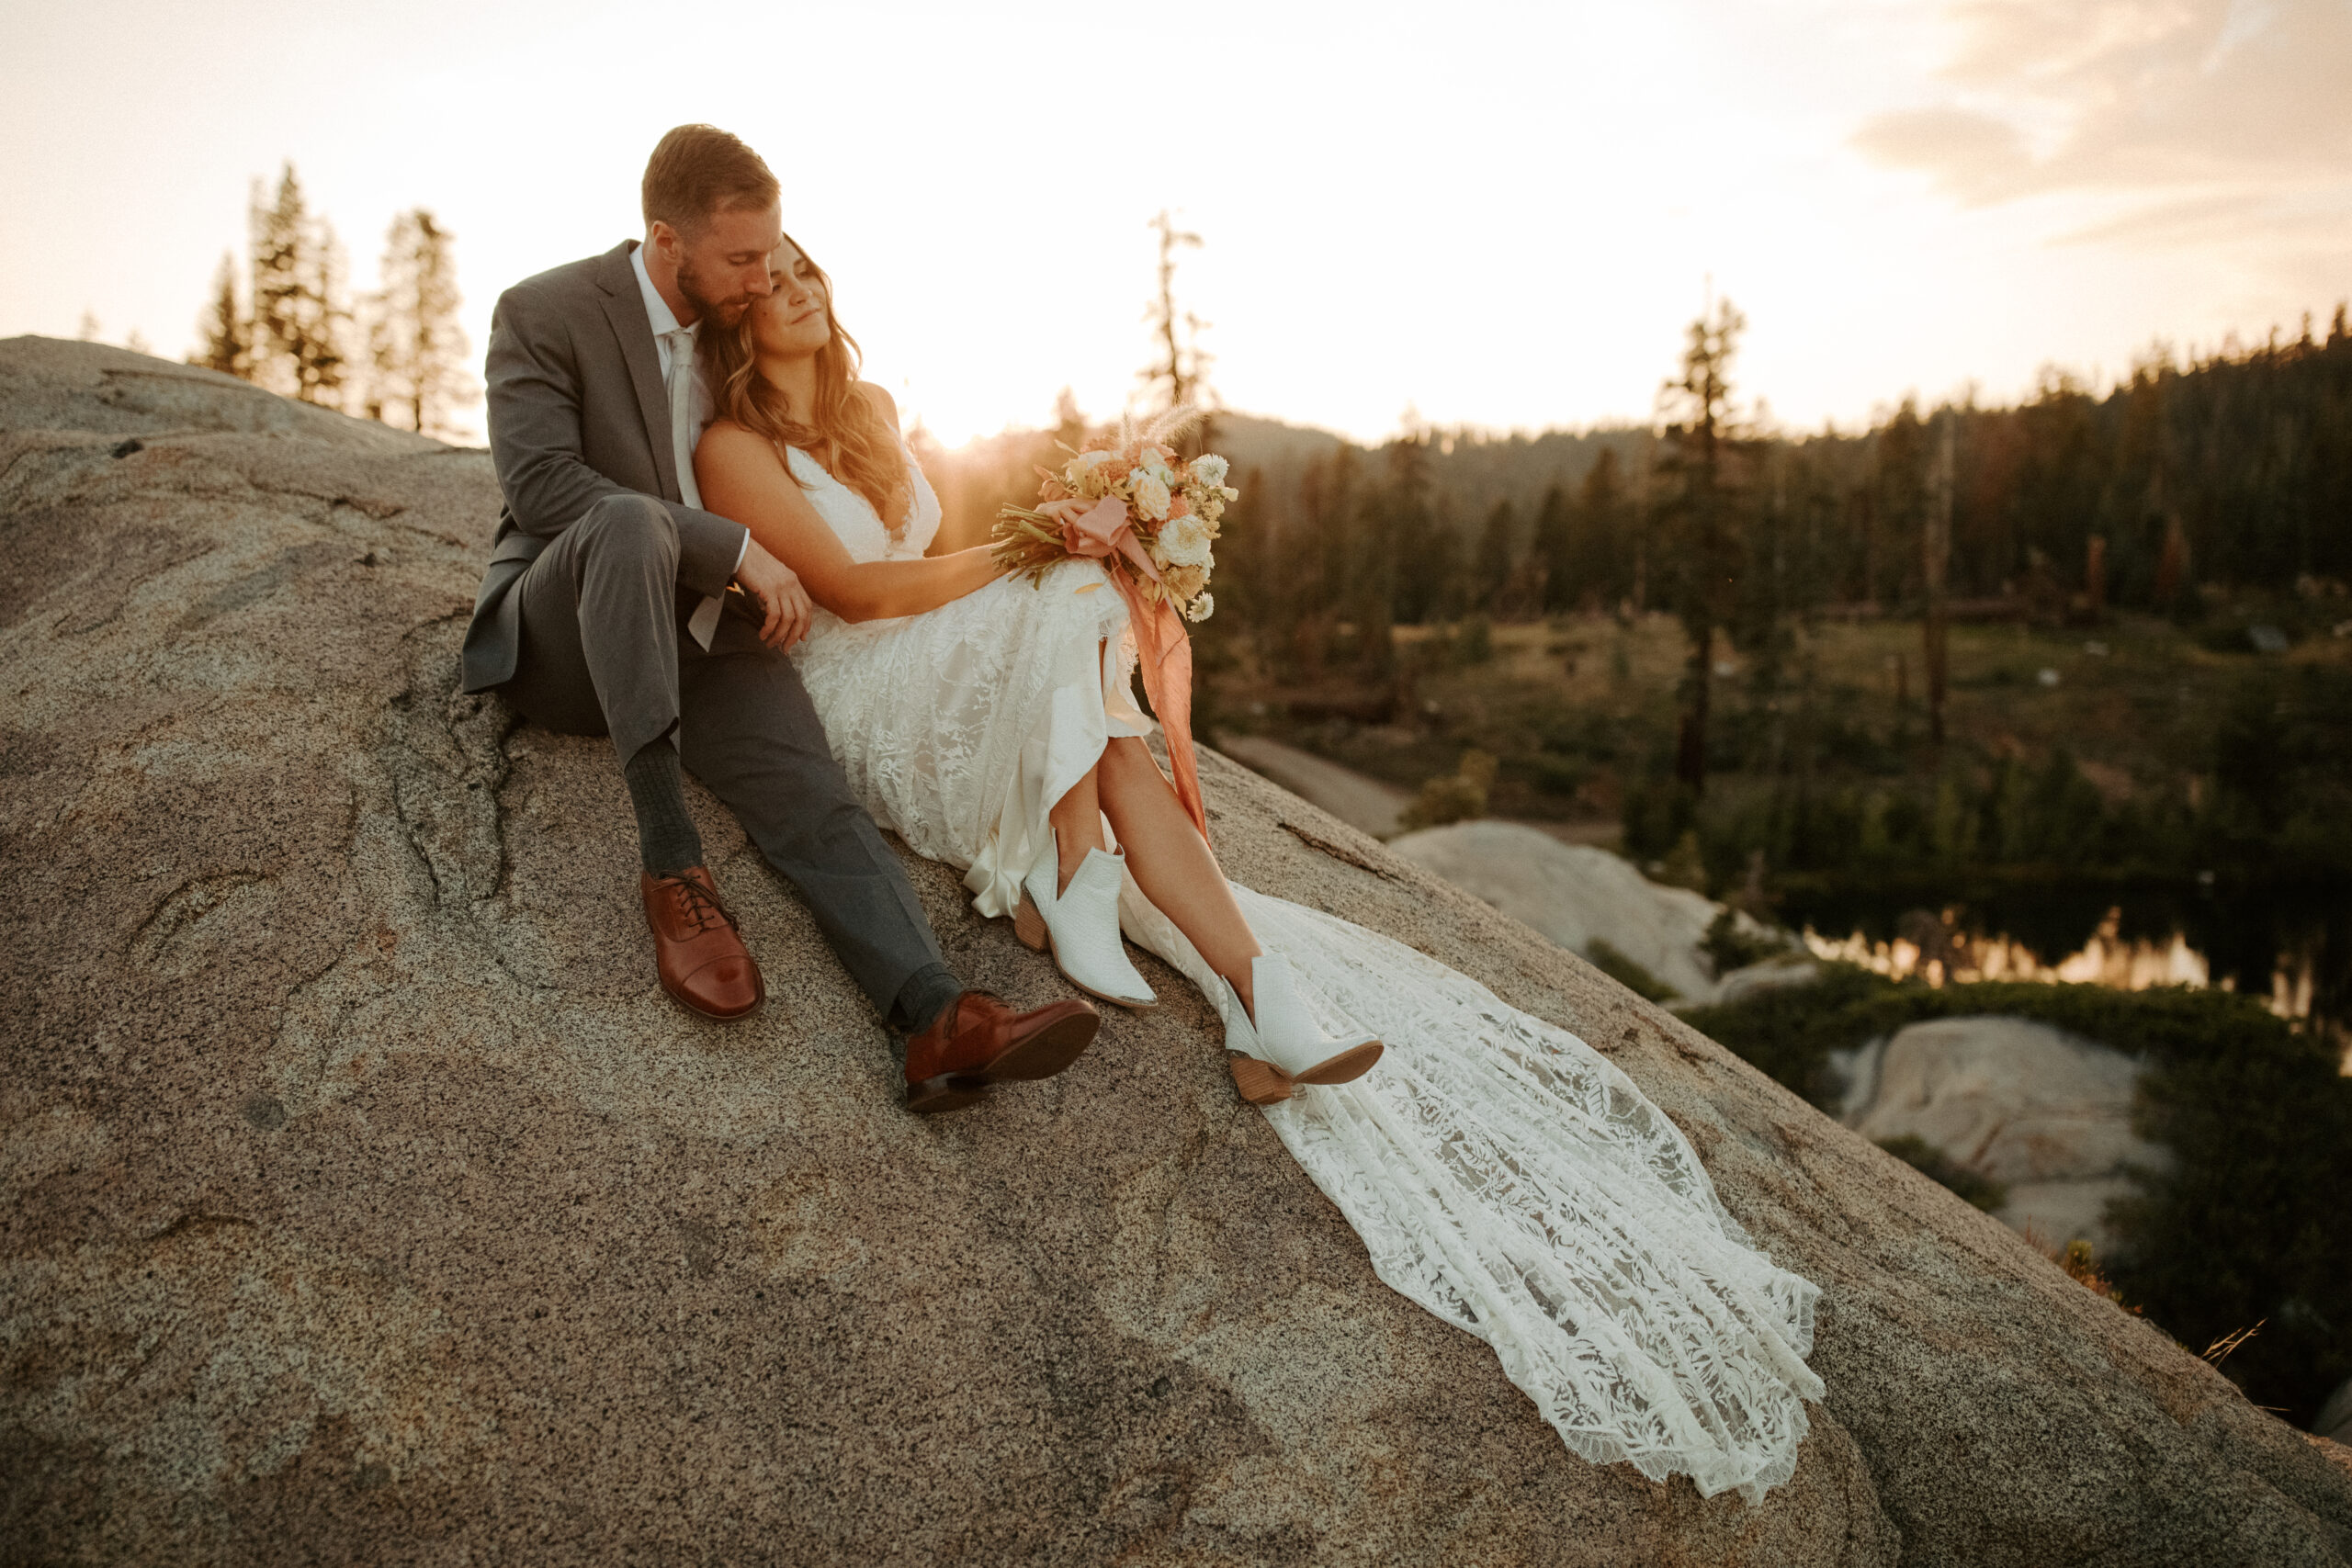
(1502,1174)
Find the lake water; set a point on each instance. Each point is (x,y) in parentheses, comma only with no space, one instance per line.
(2290,944)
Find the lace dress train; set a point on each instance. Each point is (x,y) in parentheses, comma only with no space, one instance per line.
(1501,1173)
(1511,1179)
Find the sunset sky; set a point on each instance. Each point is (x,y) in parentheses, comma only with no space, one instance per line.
(1502,215)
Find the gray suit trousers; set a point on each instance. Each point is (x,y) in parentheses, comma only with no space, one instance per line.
(605,651)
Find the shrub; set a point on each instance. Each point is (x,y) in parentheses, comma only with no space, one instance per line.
(2248,1226)
(1728,947)
(1970,1187)
(1476,644)
(2076,1257)
(1557,775)
(1685,865)
(1628,973)
(1658,813)
(1453,797)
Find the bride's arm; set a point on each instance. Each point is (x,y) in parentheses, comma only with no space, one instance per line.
(743,478)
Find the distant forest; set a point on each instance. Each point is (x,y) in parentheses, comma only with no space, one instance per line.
(2227,473)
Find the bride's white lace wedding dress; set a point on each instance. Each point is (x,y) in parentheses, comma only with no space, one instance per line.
(1501,1173)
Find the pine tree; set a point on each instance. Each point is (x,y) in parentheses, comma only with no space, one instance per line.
(1321,556)
(227,344)
(1597,556)
(1934,564)
(325,359)
(416,346)
(299,321)
(1177,374)
(1698,460)
(1498,554)
(275,246)
(1552,545)
(1398,522)
(1899,504)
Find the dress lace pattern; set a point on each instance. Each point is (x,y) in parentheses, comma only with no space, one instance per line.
(960,727)
(1501,1173)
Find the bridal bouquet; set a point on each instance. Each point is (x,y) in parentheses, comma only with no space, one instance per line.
(1152,522)
(1152,517)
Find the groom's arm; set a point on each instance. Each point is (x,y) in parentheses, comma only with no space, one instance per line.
(534,397)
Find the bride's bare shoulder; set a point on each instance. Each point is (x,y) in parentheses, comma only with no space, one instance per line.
(726,441)
(879,400)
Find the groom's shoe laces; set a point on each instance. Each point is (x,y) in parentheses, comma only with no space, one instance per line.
(700,905)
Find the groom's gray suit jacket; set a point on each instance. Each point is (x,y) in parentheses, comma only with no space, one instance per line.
(579,432)
(579,414)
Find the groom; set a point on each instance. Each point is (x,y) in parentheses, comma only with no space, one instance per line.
(607,610)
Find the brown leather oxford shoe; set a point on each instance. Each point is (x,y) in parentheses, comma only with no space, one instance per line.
(978,1040)
(703,961)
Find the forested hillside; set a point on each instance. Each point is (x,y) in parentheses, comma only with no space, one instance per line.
(2230,471)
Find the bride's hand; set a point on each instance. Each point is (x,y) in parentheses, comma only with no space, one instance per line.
(782,601)
(1066,510)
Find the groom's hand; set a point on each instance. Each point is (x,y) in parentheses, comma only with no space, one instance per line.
(784,604)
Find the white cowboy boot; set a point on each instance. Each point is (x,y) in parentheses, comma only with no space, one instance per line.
(1282,1046)
(1080,925)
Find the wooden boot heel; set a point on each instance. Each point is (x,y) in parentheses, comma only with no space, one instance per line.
(1260,1082)
(1029,924)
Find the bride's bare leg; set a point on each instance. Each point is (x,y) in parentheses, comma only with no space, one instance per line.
(1172,861)
(1077,821)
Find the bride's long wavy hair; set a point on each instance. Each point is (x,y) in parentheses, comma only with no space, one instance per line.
(844,433)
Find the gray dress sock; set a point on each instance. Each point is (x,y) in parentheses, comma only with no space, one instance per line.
(929,991)
(666,840)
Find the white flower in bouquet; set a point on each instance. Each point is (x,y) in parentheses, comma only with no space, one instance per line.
(1080,474)
(1202,608)
(1151,496)
(1171,510)
(1185,542)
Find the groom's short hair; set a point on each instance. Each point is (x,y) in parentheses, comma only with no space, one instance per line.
(699,171)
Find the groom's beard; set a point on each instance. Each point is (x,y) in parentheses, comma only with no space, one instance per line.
(725,311)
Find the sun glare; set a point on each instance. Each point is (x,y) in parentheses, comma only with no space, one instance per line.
(1506,222)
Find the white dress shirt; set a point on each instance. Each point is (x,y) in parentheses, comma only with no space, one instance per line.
(665,321)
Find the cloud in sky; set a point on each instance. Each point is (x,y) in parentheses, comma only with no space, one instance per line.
(2194,107)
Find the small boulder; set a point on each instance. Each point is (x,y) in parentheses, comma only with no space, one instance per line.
(2045,1113)
(1578,895)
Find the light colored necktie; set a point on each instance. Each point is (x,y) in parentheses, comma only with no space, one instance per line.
(704,623)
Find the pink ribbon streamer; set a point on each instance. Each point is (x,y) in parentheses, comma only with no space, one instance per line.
(1104,532)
